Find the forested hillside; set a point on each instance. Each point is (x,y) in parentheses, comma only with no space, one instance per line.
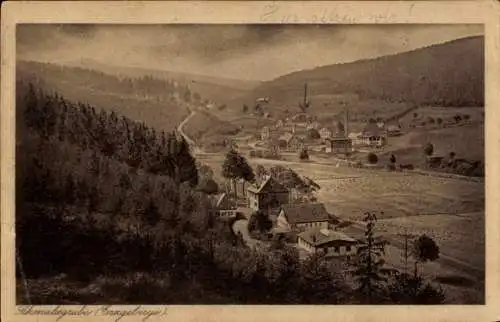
(158,102)
(448,74)
(107,212)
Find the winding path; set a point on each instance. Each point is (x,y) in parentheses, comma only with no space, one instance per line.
(180,128)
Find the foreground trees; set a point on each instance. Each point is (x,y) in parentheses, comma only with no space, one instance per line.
(368,272)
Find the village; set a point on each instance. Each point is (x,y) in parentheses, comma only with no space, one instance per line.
(304,131)
(281,206)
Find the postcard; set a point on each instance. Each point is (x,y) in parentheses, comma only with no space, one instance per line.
(192,161)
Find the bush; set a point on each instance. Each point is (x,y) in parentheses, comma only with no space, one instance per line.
(429,149)
(313,134)
(372,158)
(208,186)
(304,155)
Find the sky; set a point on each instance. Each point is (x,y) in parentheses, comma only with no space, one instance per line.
(252,52)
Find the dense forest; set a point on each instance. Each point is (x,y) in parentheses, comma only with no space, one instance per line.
(108,211)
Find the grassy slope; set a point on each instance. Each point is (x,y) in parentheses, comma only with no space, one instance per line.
(386,84)
(204,127)
(87,87)
(216,89)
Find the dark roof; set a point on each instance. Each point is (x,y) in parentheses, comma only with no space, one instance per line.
(339,138)
(301,213)
(286,137)
(268,183)
(319,237)
(371,129)
(222,202)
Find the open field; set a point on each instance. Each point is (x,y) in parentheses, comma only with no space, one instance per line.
(466,141)
(445,113)
(349,192)
(449,232)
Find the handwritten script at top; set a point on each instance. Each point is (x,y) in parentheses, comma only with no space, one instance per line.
(274,12)
(115,313)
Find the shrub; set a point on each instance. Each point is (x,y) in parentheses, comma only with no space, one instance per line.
(372,158)
(313,134)
(429,149)
(304,155)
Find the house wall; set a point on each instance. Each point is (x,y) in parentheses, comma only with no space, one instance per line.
(340,147)
(372,140)
(305,245)
(281,221)
(309,225)
(330,250)
(267,200)
(241,188)
(253,200)
(223,213)
(339,250)
(325,134)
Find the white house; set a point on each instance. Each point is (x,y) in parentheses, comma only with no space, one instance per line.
(326,132)
(265,133)
(222,207)
(329,242)
(356,138)
(300,217)
(373,135)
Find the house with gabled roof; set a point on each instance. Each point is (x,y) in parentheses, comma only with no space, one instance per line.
(265,133)
(267,194)
(393,128)
(339,144)
(328,242)
(327,132)
(290,142)
(300,217)
(221,206)
(373,135)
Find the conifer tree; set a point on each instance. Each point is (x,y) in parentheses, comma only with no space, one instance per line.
(368,271)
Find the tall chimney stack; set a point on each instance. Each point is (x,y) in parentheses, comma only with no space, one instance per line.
(346,121)
(305,94)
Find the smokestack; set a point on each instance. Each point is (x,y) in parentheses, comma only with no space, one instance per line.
(346,121)
(305,94)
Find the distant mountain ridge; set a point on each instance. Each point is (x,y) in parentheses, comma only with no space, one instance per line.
(214,88)
(446,74)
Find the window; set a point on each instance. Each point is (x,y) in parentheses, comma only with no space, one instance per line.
(336,249)
(348,248)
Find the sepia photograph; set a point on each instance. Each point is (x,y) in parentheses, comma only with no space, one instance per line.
(250,164)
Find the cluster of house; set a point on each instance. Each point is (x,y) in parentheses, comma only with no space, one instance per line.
(291,135)
(311,223)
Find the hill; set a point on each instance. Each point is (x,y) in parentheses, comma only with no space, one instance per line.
(448,74)
(159,103)
(216,89)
